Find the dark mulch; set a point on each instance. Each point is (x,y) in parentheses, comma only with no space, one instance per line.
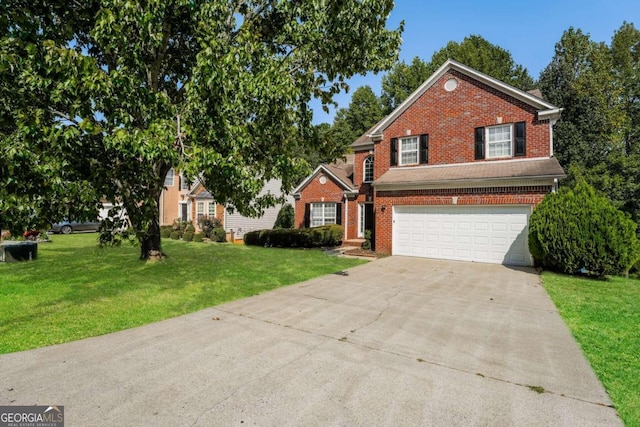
(361,252)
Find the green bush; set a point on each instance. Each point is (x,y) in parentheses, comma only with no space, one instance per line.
(198,237)
(285,217)
(367,240)
(187,236)
(218,235)
(190,228)
(207,225)
(175,235)
(326,235)
(165,233)
(579,231)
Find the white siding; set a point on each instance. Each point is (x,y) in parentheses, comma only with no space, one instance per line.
(241,224)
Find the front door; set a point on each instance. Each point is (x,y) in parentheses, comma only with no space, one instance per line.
(365,220)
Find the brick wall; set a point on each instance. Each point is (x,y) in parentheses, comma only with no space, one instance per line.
(449,118)
(314,192)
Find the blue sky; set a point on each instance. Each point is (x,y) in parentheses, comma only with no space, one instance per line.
(529,30)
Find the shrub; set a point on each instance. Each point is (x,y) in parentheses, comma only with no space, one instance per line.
(198,237)
(367,240)
(326,235)
(579,231)
(285,218)
(175,235)
(187,236)
(218,235)
(208,224)
(165,233)
(190,228)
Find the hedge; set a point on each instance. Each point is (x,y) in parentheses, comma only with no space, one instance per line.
(187,236)
(326,235)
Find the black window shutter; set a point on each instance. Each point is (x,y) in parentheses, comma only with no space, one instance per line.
(307,215)
(339,213)
(521,139)
(424,148)
(394,151)
(479,143)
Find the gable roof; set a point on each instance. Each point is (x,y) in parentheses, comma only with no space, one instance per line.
(539,168)
(340,172)
(545,109)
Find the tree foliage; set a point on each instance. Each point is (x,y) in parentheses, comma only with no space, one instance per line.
(364,111)
(474,51)
(577,230)
(102,98)
(597,137)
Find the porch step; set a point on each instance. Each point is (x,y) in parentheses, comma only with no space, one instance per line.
(353,242)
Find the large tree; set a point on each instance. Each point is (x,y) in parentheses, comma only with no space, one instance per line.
(597,136)
(474,51)
(105,97)
(364,110)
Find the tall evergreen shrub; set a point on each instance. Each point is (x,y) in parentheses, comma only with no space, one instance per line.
(577,230)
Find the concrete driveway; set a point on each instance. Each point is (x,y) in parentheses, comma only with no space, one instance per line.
(399,341)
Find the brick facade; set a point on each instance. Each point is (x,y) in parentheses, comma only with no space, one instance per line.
(450,119)
(315,192)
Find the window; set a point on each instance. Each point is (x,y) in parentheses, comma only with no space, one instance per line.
(323,214)
(168,179)
(199,209)
(211,212)
(184,183)
(409,150)
(368,169)
(499,141)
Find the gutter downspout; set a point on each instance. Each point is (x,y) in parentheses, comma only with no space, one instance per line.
(551,124)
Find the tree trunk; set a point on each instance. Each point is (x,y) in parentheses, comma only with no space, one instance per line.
(150,243)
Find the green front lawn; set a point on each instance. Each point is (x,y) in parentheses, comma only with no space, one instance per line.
(604,317)
(76,290)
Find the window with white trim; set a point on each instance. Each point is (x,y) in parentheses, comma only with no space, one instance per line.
(323,214)
(168,179)
(199,209)
(499,141)
(211,211)
(368,169)
(184,183)
(409,150)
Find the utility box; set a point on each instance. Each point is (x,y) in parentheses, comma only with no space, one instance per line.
(18,251)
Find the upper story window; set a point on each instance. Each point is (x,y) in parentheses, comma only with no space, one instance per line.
(368,169)
(168,179)
(411,150)
(184,183)
(500,141)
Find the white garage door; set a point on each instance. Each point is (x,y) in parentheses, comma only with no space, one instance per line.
(493,234)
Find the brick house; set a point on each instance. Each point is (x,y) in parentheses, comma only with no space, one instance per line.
(453,173)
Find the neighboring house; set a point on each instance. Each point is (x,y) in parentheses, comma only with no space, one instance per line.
(239,225)
(453,173)
(182,200)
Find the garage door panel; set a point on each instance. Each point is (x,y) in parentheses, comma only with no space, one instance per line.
(496,234)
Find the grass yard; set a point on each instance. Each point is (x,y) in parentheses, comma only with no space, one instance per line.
(604,317)
(76,289)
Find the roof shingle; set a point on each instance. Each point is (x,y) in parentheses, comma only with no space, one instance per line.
(514,169)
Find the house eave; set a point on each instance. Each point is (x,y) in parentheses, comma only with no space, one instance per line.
(551,114)
(528,181)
